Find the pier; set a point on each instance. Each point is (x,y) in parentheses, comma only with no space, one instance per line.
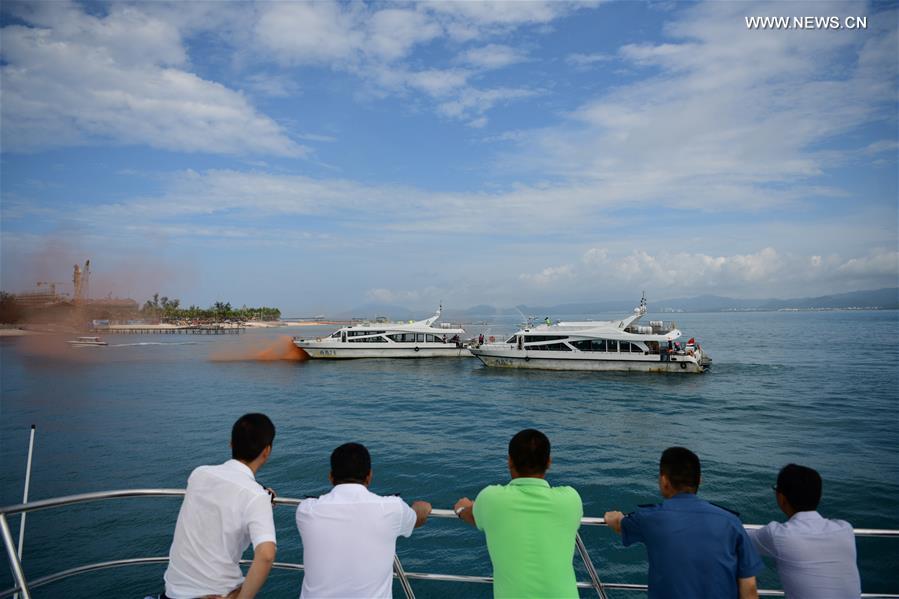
(203,329)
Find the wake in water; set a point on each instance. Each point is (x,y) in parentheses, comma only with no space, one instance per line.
(144,343)
(264,350)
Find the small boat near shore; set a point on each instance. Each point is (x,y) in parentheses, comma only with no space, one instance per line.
(418,339)
(610,345)
(87,342)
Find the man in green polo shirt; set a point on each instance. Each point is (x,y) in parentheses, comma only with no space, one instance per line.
(530,526)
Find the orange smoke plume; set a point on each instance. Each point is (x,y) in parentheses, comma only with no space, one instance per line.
(263,350)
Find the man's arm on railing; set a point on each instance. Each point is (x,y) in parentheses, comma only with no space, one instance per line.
(263,558)
(422,510)
(613,520)
(464,508)
(748,589)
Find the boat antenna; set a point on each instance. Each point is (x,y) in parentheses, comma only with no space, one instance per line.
(430,321)
(524,319)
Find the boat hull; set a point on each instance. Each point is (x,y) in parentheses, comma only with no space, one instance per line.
(382,350)
(549,360)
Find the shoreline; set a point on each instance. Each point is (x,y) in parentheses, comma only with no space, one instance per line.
(16,332)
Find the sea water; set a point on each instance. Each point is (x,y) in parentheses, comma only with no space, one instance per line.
(815,388)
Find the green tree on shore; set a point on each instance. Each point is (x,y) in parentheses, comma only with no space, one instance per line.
(163,308)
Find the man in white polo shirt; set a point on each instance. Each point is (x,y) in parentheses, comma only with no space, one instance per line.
(349,535)
(815,556)
(224,510)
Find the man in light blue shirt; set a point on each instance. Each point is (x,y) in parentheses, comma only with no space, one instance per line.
(815,556)
(696,550)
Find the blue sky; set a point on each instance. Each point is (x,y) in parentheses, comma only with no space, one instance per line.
(319,156)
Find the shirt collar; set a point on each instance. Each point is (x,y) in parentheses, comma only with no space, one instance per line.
(349,490)
(684,495)
(809,515)
(240,467)
(526,481)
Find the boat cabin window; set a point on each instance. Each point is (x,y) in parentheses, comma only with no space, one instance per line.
(513,339)
(590,344)
(627,346)
(403,337)
(335,335)
(538,338)
(653,346)
(549,347)
(420,337)
(370,337)
(611,345)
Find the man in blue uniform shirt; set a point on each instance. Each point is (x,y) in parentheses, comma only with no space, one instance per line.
(696,550)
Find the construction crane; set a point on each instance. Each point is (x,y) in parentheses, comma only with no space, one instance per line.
(81,279)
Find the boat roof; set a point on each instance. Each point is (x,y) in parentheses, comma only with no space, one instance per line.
(412,326)
(598,329)
(400,327)
(604,329)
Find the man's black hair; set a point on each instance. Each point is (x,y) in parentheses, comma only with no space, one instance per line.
(250,435)
(682,468)
(801,486)
(529,450)
(350,463)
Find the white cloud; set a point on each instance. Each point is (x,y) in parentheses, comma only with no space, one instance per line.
(595,256)
(882,147)
(74,78)
(275,86)
(378,46)
(880,264)
(309,32)
(766,272)
(436,82)
(584,61)
(393,32)
(721,117)
(472,19)
(548,275)
(492,56)
(471,101)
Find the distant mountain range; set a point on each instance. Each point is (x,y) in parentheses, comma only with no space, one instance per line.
(879,299)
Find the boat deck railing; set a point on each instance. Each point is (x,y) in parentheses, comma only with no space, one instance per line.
(23,586)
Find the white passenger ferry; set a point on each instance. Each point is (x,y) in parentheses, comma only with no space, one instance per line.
(420,339)
(612,345)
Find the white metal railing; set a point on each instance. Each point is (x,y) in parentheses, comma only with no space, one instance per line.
(23,586)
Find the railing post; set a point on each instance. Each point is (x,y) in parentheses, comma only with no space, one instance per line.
(588,563)
(25,496)
(14,562)
(401,574)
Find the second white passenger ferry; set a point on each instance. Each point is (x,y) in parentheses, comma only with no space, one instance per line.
(420,339)
(621,345)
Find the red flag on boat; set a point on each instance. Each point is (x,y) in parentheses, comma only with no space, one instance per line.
(692,341)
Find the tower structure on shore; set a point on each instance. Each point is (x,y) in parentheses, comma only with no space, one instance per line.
(81,280)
